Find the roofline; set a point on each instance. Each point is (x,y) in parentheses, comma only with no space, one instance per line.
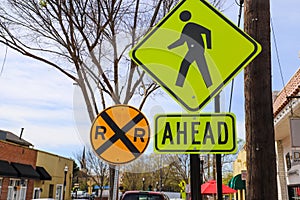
(52,154)
(291,89)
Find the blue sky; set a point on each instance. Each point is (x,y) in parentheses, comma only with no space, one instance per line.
(40,99)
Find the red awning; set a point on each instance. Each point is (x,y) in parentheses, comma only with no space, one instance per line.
(210,187)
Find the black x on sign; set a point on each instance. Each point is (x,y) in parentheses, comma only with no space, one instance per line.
(120,134)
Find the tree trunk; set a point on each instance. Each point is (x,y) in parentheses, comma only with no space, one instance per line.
(261,157)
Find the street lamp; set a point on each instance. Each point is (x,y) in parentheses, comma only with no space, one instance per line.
(143,184)
(65,181)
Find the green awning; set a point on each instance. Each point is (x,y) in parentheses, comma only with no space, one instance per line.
(237,183)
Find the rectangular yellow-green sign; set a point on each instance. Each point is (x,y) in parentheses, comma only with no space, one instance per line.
(209,133)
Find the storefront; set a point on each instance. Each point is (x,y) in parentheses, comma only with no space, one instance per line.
(16,180)
(286,109)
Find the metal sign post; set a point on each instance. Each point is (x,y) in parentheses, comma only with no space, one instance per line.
(115,186)
(218,156)
(195,177)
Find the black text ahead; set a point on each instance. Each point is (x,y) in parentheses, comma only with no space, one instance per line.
(190,133)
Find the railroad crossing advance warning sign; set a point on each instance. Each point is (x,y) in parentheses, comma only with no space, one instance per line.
(120,134)
(193,52)
(195,133)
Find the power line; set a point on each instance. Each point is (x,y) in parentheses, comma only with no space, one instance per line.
(240,4)
(280,70)
(277,56)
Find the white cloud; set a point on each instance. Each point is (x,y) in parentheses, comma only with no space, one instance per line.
(40,99)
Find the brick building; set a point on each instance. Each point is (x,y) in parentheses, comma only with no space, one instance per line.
(26,173)
(17,167)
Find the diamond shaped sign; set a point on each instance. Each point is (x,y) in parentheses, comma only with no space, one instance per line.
(193,52)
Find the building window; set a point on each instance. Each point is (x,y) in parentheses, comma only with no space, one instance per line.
(294,192)
(23,189)
(0,185)
(12,190)
(37,193)
(59,192)
(288,161)
(51,190)
(17,189)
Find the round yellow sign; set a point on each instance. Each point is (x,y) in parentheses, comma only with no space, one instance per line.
(120,134)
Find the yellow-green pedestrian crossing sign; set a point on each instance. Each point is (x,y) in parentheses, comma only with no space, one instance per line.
(193,52)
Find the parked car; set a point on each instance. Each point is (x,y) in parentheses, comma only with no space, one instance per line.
(144,195)
(82,195)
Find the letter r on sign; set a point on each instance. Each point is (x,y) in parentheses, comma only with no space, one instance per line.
(139,132)
(100,130)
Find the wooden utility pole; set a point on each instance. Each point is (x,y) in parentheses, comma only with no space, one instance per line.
(261,157)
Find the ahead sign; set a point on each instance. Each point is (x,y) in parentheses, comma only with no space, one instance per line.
(192,133)
(193,52)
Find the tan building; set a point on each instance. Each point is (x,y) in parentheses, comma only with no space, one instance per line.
(239,174)
(60,170)
(240,163)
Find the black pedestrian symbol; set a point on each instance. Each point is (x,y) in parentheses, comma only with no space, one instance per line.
(192,35)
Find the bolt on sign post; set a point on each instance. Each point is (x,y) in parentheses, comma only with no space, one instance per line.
(120,134)
(193,52)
